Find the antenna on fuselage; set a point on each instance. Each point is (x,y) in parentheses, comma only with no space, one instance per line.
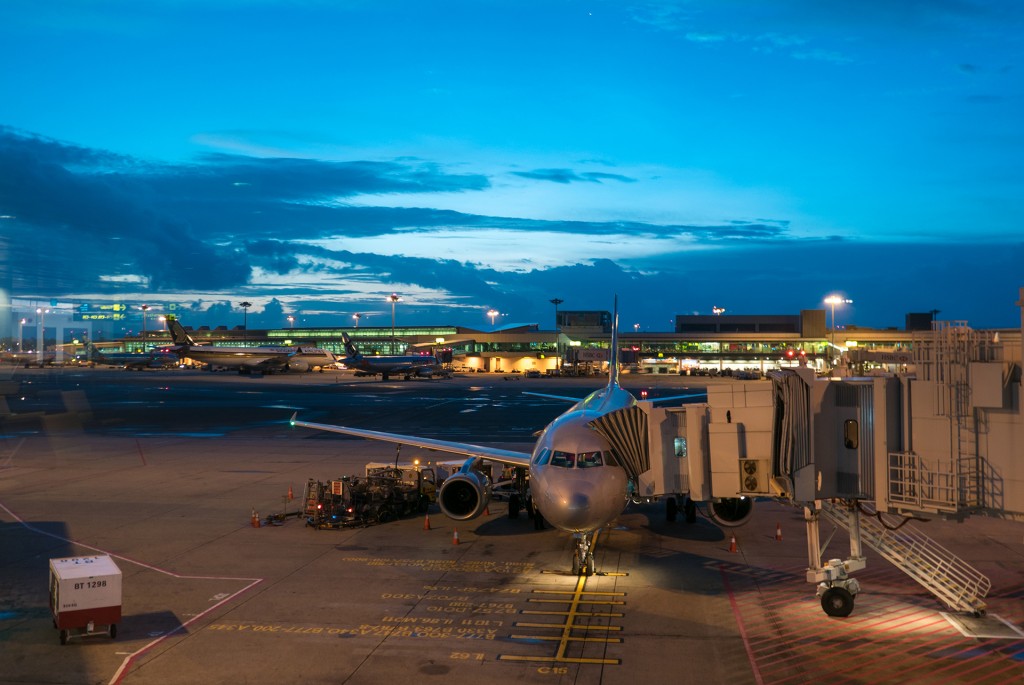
(613,359)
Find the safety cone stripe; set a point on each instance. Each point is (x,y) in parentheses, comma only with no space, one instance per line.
(426,522)
(778,532)
(732,544)
(455,536)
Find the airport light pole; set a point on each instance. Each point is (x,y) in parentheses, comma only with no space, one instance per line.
(245,319)
(41,337)
(357,316)
(493,313)
(291,321)
(21,333)
(393,298)
(144,308)
(558,355)
(832,301)
(717,311)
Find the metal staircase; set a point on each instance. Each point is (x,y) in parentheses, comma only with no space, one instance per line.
(953,581)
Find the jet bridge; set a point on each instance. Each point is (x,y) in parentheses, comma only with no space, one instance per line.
(838,449)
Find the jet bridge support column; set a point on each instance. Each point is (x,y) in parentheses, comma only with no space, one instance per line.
(836,588)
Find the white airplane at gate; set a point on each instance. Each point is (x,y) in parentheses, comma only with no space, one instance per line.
(575,479)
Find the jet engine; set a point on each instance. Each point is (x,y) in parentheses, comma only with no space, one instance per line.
(730,512)
(465,495)
(298,365)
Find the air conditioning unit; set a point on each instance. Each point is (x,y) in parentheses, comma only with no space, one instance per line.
(754,476)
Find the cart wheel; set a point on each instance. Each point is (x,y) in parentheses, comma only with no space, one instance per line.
(837,601)
(113,630)
(64,637)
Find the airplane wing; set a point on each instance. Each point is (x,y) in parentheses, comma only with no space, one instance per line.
(553,397)
(670,398)
(509,457)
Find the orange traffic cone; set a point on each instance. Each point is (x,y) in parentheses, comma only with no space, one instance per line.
(255,519)
(426,522)
(778,532)
(487,510)
(455,536)
(291,496)
(732,544)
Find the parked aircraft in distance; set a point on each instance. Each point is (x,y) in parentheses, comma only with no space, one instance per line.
(249,359)
(154,359)
(407,366)
(576,482)
(28,359)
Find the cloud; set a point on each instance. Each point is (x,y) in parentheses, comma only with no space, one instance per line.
(566,176)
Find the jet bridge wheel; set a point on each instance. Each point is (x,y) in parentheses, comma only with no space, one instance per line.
(837,601)
(671,509)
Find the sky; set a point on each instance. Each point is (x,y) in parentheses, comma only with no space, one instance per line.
(313,157)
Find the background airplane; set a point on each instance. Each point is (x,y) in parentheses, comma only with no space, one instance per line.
(575,480)
(407,366)
(154,359)
(249,359)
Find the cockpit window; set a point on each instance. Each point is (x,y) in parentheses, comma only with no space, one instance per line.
(542,457)
(589,459)
(566,460)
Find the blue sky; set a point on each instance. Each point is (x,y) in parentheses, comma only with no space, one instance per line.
(313,157)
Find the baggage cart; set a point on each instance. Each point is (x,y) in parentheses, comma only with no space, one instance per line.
(85,596)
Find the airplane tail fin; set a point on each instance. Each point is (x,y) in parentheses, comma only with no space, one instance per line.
(613,353)
(350,349)
(91,353)
(179,336)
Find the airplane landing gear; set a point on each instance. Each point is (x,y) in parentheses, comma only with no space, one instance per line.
(583,556)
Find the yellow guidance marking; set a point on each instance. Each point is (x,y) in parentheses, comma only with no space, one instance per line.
(574,598)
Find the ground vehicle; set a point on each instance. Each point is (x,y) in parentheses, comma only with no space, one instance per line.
(385,493)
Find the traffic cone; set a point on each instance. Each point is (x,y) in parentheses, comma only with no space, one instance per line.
(426,522)
(487,510)
(455,536)
(255,519)
(290,495)
(732,544)
(778,532)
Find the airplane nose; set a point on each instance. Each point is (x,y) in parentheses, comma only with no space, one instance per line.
(570,507)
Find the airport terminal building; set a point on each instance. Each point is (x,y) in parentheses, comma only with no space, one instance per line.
(748,345)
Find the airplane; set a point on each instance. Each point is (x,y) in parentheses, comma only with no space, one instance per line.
(249,359)
(407,366)
(28,359)
(576,482)
(153,359)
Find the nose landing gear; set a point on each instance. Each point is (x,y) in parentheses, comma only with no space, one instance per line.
(583,556)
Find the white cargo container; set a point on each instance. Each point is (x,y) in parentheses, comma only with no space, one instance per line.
(85,596)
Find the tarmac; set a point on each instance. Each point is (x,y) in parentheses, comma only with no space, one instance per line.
(162,471)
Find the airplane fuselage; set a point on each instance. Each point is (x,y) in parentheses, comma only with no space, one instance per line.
(574,479)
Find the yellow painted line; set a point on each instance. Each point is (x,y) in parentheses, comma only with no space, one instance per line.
(605,640)
(579,592)
(568,626)
(591,614)
(557,660)
(563,601)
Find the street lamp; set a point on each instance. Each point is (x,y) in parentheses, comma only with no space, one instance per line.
(245,319)
(41,337)
(393,298)
(558,357)
(493,313)
(291,321)
(717,311)
(144,308)
(357,316)
(832,301)
(21,332)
